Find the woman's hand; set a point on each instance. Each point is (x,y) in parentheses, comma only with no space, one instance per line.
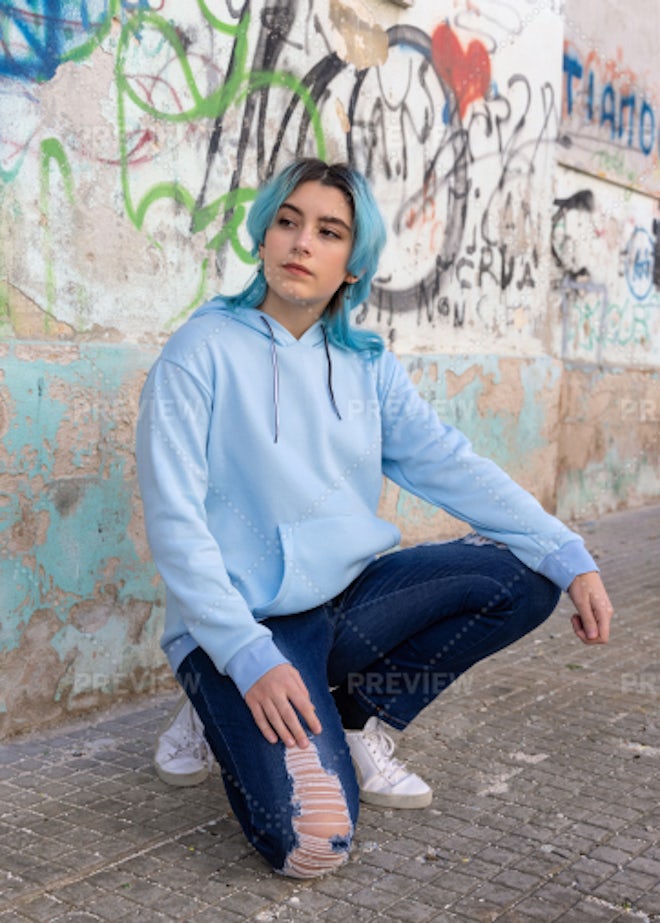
(591,622)
(276,700)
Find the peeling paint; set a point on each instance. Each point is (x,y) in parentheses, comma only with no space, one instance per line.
(28,321)
(510,411)
(342,116)
(363,42)
(609,442)
(75,582)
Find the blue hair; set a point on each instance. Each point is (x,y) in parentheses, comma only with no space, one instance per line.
(368,242)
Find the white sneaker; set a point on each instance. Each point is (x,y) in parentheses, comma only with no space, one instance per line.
(182,756)
(383,780)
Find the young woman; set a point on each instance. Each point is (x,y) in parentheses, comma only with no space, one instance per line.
(265,429)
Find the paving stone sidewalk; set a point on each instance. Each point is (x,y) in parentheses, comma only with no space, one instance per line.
(545,762)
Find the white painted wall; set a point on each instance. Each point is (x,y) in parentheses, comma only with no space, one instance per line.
(123,162)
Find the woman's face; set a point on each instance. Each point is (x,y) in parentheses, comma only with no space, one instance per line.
(305,254)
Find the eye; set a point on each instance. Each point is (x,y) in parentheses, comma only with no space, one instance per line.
(329,232)
(284,222)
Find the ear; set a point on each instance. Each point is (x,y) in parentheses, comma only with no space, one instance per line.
(261,251)
(350,278)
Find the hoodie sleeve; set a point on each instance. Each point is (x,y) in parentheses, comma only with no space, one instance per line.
(436,462)
(172,433)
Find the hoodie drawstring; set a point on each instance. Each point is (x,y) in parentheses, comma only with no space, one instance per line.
(332,393)
(276,377)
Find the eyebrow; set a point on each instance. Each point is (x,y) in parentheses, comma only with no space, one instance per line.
(323,219)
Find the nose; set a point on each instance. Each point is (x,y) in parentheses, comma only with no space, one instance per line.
(303,241)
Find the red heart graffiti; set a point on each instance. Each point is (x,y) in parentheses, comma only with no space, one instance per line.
(467,72)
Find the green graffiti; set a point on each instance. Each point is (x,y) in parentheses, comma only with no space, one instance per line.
(214,21)
(595,325)
(52,151)
(197,299)
(146,36)
(239,84)
(203,106)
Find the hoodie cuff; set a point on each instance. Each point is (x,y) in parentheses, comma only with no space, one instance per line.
(564,565)
(253,660)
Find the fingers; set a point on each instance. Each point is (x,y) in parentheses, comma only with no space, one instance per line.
(284,722)
(276,701)
(588,635)
(591,623)
(586,627)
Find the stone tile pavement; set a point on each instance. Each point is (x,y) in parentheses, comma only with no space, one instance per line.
(545,763)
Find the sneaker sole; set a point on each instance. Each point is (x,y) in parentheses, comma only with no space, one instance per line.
(396,801)
(181,779)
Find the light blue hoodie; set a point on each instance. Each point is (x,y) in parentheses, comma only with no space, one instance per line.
(260,461)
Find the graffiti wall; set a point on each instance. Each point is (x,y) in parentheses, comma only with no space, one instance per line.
(606,253)
(611,123)
(140,131)
(132,139)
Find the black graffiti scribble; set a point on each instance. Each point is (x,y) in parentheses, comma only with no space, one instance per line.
(579,201)
(656,253)
(429,160)
(448,190)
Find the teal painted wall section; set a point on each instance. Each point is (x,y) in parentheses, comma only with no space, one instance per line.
(81,603)
(507,408)
(509,428)
(609,443)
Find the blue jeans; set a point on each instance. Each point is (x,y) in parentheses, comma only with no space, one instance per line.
(406,628)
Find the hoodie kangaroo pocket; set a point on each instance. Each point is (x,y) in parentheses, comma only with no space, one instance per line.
(322,556)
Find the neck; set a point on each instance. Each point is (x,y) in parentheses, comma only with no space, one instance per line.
(297,319)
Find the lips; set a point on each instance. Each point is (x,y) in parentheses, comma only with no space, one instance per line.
(297,269)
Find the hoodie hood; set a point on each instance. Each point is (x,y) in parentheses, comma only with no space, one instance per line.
(255,317)
(278,335)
